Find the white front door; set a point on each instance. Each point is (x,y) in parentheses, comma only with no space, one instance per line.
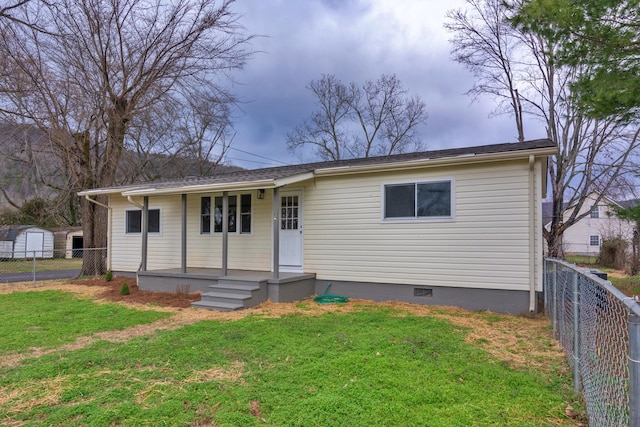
(291,230)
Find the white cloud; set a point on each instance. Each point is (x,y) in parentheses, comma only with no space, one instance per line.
(356,40)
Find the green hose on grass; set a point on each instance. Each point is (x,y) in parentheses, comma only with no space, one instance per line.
(326,298)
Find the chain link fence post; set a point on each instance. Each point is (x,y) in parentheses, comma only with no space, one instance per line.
(34,268)
(634,369)
(554,299)
(576,334)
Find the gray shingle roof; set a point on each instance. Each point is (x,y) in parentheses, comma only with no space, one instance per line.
(10,232)
(280,172)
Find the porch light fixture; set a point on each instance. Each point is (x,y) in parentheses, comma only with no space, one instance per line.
(260,194)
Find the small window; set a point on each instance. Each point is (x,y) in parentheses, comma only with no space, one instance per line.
(418,200)
(594,240)
(205,215)
(595,212)
(243,215)
(134,221)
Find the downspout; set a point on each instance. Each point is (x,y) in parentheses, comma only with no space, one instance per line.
(86,196)
(136,204)
(143,255)
(145,232)
(109,230)
(532,235)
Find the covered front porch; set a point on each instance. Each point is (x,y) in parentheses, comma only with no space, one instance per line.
(237,289)
(193,269)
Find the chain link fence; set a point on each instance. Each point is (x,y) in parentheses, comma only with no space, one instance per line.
(599,328)
(50,264)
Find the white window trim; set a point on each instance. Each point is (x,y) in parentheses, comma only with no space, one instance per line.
(596,209)
(238,203)
(450,218)
(599,240)
(151,233)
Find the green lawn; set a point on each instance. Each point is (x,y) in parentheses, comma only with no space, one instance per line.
(46,264)
(628,285)
(374,367)
(49,319)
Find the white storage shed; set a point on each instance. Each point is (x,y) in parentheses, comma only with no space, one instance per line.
(25,241)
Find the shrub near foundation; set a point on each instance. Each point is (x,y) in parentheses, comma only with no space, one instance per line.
(124,290)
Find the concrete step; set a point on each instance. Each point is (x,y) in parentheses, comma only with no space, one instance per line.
(217,306)
(233,294)
(233,288)
(225,297)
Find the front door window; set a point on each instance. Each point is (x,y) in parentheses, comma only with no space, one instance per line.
(289,214)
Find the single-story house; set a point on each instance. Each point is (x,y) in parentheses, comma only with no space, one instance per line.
(68,242)
(598,223)
(25,241)
(459,227)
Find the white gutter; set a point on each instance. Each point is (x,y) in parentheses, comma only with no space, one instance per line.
(532,235)
(281,182)
(223,186)
(446,161)
(202,188)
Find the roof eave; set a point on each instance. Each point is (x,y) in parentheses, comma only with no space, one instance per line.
(218,187)
(440,161)
(201,188)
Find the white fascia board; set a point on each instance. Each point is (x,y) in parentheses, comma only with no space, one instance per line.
(201,188)
(108,190)
(442,161)
(294,179)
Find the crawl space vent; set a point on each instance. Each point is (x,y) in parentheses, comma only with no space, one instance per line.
(422,292)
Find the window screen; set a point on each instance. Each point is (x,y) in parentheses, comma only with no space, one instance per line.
(418,200)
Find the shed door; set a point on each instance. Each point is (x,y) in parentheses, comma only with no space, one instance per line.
(291,230)
(35,244)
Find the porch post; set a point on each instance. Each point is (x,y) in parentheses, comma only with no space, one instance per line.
(275,251)
(183,255)
(145,231)
(225,231)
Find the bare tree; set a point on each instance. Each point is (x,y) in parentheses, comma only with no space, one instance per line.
(377,118)
(101,64)
(517,66)
(189,139)
(483,41)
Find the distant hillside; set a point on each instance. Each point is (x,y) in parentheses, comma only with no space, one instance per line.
(28,164)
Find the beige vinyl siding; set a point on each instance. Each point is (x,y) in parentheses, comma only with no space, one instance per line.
(246,251)
(576,239)
(486,245)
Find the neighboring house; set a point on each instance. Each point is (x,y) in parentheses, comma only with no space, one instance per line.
(68,242)
(586,235)
(25,241)
(455,227)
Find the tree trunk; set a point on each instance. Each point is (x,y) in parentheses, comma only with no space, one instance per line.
(554,243)
(94,228)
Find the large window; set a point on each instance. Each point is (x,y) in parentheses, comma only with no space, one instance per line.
(134,221)
(239,219)
(418,200)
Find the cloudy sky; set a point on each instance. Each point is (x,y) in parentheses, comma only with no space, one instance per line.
(356,40)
